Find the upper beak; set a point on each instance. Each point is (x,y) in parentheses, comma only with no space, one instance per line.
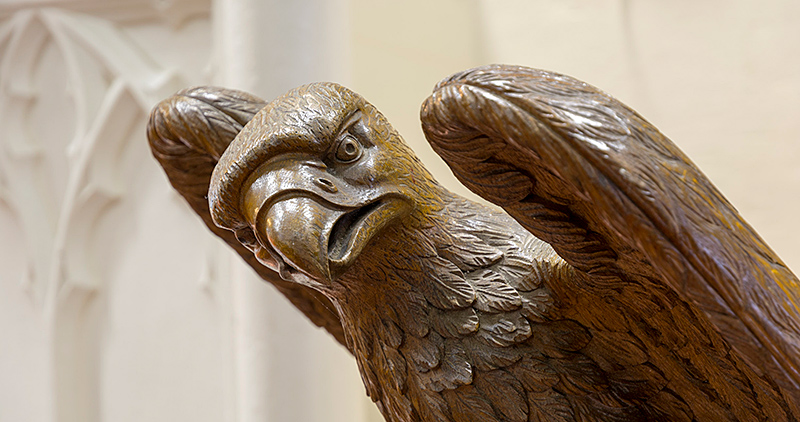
(298,229)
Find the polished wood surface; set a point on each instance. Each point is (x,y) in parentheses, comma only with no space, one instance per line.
(618,285)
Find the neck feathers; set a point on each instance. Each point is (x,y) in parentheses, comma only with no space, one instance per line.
(431,283)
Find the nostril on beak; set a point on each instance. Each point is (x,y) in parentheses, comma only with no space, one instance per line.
(327,185)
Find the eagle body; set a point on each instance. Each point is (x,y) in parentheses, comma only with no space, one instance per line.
(463,315)
(616,284)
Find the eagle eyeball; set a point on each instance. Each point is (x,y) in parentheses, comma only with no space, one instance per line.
(348,150)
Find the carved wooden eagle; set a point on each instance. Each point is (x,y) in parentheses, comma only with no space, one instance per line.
(618,285)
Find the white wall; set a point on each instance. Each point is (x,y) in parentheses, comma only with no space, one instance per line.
(117,305)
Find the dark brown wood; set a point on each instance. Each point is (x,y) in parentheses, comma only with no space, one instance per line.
(620,285)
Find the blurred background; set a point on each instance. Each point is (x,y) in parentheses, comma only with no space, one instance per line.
(116,304)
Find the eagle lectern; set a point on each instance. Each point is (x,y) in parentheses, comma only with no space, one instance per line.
(616,284)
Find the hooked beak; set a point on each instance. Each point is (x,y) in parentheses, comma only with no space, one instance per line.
(322,239)
(314,222)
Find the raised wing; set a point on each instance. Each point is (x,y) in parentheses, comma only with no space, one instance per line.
(614,196)
(188,132)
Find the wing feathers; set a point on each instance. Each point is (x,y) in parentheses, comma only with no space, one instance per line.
(624,197)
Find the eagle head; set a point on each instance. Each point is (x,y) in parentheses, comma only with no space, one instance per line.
(312,178)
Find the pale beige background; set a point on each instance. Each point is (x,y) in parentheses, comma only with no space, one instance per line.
(116,305)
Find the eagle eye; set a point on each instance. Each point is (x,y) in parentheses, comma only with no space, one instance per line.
(348,150)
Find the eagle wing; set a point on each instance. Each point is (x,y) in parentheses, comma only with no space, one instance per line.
(614,196)
(188,133)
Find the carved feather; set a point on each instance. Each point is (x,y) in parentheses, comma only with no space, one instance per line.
(626,200)
(463,313)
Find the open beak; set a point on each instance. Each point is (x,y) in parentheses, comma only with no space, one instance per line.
(322,239)
(314,222)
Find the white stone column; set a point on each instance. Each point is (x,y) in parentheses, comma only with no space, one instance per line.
(286,369)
